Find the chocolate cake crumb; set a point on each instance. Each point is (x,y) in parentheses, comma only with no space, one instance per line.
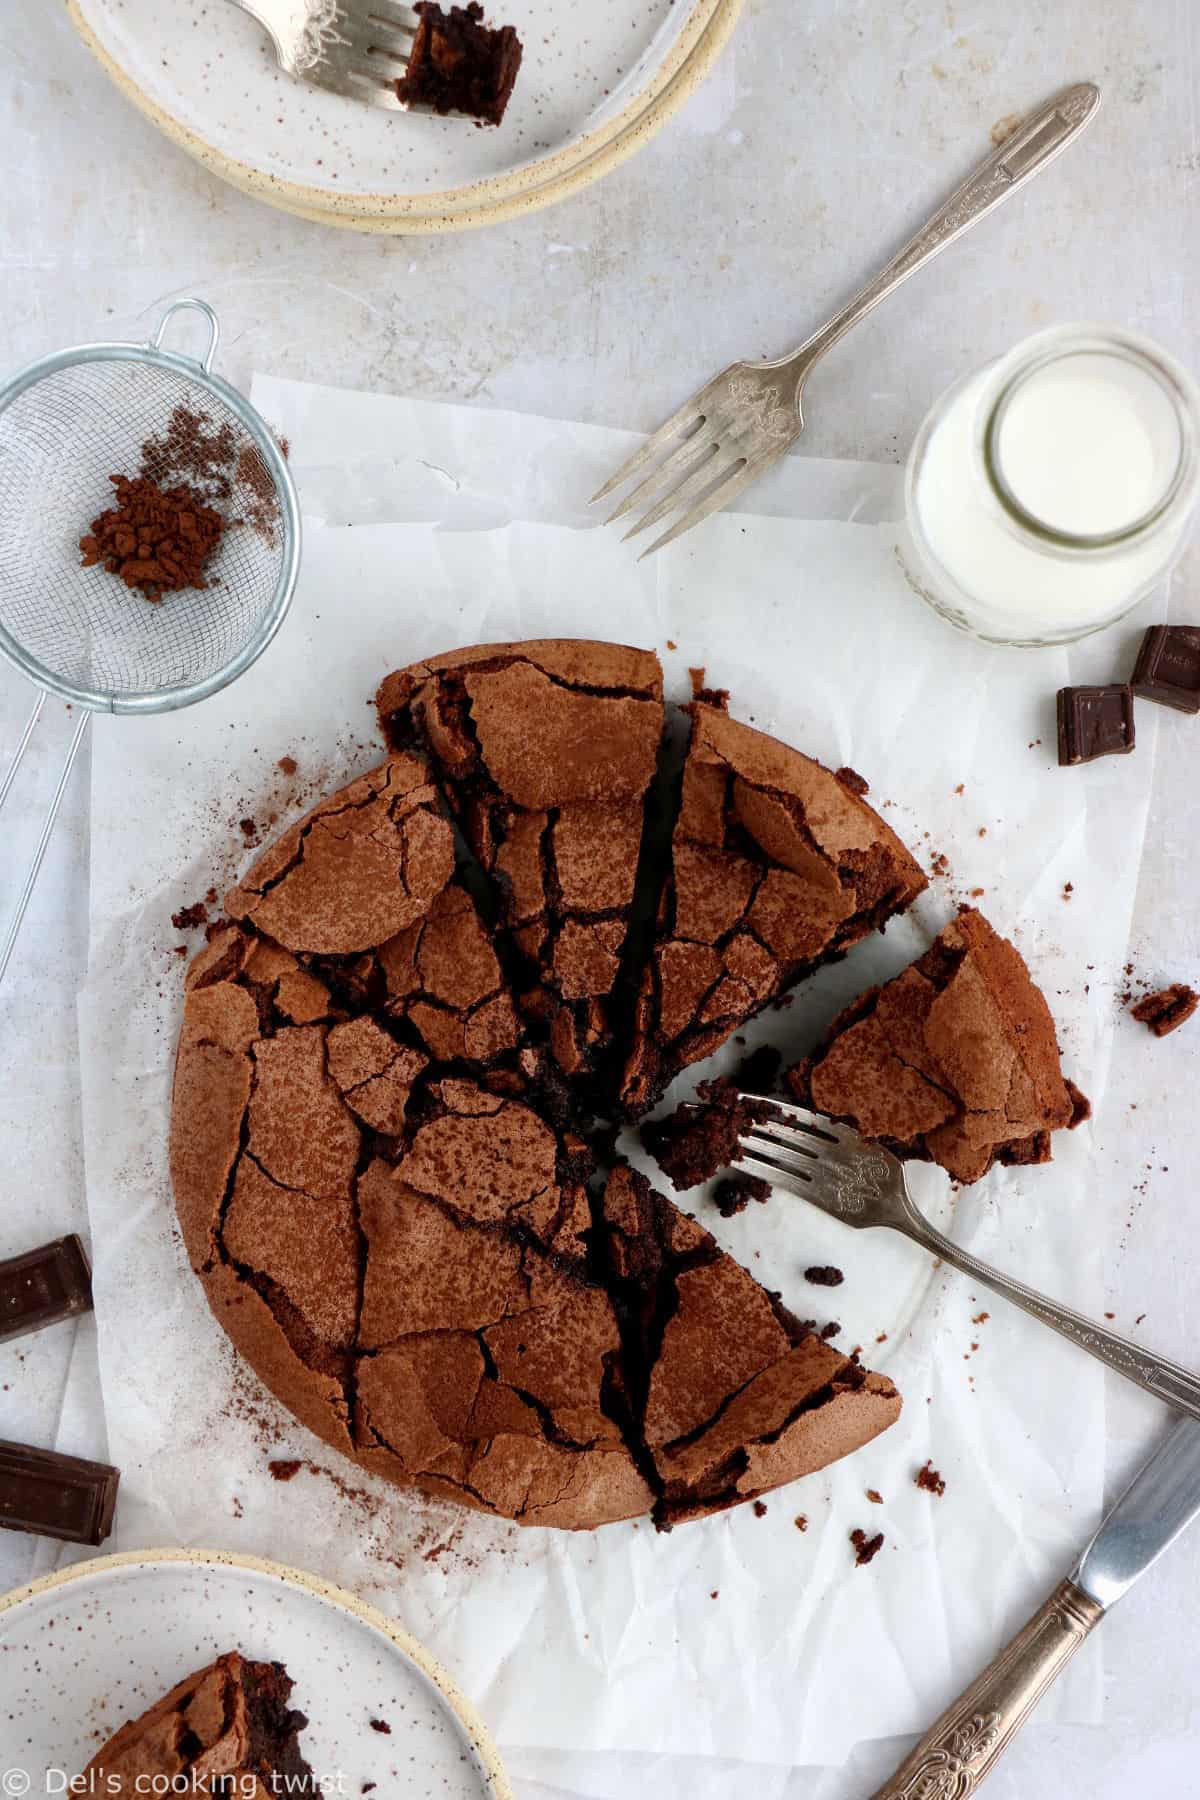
(189,917)
(801,1521)
(247,827)
(287,765)
(927,1478)
(381,1726)
(830,1331)
(1168,1009)
(760,1509)
(733,1193)
(874,1496)
(858,784)
(718,697)
(824,1275)
(368,1787)
(285,1468)
(865,1548)
(700,1137)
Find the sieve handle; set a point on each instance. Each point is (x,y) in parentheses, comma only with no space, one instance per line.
(39,854)
(214,328)
(14,765)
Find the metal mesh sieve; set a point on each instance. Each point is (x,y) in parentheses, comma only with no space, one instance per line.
(67,424)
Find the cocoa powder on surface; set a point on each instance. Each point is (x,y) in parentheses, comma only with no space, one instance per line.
(155,539)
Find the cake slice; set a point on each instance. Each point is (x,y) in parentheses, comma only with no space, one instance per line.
(728,1395)
(227,1729)
(777,865)
(545,751)
(955,1061)
(460,65)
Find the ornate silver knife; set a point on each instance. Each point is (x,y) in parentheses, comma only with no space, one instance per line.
(957,1754)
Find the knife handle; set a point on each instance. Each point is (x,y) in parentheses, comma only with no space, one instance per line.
(956,1755)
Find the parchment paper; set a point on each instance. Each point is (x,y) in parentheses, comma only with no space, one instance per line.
(740,1637)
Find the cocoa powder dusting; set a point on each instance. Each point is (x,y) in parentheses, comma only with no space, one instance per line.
(195,450)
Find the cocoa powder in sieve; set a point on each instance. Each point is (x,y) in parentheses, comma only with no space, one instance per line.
(156,539)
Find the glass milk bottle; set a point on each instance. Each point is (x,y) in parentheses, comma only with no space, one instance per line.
(1049,491)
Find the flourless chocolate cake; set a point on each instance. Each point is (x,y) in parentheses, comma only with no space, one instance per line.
(231,1722)
(777,866)
(460,65)
(545,751)
(382,1184)
(955,1061)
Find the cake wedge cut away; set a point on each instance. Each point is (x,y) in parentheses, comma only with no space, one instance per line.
(777,865)
(728,1394)
(545,751)
(227,1729)
(955,1061)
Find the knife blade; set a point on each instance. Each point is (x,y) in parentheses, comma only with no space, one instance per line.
(959,1751)
(1161,1501)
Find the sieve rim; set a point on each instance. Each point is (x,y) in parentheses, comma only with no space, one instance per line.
(180,694)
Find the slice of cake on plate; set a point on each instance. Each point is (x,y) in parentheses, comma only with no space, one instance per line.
(228,1728)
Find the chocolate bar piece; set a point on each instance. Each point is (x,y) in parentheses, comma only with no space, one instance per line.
(1094,721)
(1168,667)
(43,1286)
(56,1496)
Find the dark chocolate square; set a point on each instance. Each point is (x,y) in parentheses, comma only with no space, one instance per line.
(1094,721)
(1168,667)
(52,1495)
(43,1286)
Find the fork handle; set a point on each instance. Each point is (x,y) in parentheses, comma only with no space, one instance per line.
(1035,142)
(1167,1381)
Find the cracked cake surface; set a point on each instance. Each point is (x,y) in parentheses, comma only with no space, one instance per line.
(777,865)
(955,1061)
(545,751)
(230,1722)
(382,1187)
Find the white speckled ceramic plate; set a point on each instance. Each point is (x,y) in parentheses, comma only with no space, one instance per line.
(85,1649)
(596,81)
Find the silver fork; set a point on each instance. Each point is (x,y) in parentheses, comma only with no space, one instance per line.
(863,1185)
(735,428)
(359,48)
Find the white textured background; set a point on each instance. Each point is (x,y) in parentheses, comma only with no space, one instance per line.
(820,140)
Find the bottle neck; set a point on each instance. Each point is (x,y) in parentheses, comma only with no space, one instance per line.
(1088,442)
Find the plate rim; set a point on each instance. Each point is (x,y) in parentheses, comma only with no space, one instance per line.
(329,1591)
(491,200)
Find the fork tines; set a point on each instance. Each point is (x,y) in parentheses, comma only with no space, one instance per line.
(791,1141)
(367,52)
(700,473)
